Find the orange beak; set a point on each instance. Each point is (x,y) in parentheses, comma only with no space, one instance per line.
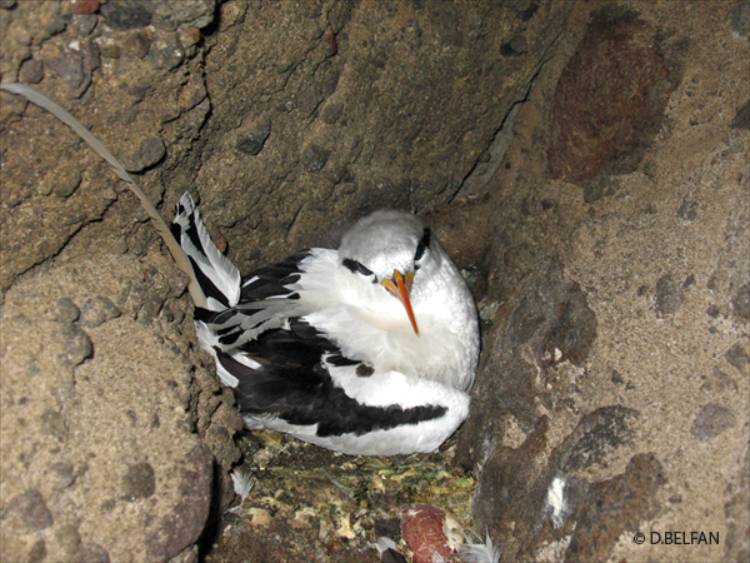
(400,286)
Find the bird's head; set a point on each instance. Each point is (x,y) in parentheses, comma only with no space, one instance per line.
(390,248)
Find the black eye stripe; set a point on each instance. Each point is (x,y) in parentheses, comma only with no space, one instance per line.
(356,267)
(424,244)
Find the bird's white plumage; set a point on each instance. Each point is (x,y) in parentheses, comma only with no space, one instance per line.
(383,241)
(380,391)
(370,325)
(378,387)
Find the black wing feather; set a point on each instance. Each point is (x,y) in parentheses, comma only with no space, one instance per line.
(272,280)
(294,384)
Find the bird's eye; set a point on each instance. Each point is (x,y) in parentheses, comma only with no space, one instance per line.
(356,267)
(424,244)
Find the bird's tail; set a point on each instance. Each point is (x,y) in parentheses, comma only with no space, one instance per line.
(218,277)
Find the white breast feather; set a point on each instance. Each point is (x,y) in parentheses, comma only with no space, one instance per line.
(370,325)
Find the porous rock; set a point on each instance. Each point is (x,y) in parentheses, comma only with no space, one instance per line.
(124,493)
(480,118)
(611,97)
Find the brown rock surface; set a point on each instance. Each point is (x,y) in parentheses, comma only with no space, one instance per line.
(610,98)
(585,163)
(645,220)
(95,422)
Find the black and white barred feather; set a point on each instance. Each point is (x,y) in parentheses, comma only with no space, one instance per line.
(219,278)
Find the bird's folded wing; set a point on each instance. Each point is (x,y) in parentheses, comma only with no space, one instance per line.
(267,299)
(295,380)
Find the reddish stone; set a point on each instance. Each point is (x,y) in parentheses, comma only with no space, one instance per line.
(189,36)
(221,244)
(422,530)
(331,43)
(610,99)
(84,7)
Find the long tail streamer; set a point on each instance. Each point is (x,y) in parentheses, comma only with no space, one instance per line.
(180,258)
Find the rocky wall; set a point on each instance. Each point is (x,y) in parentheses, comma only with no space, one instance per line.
(586,163)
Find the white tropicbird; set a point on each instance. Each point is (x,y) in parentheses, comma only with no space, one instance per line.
(368,349)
